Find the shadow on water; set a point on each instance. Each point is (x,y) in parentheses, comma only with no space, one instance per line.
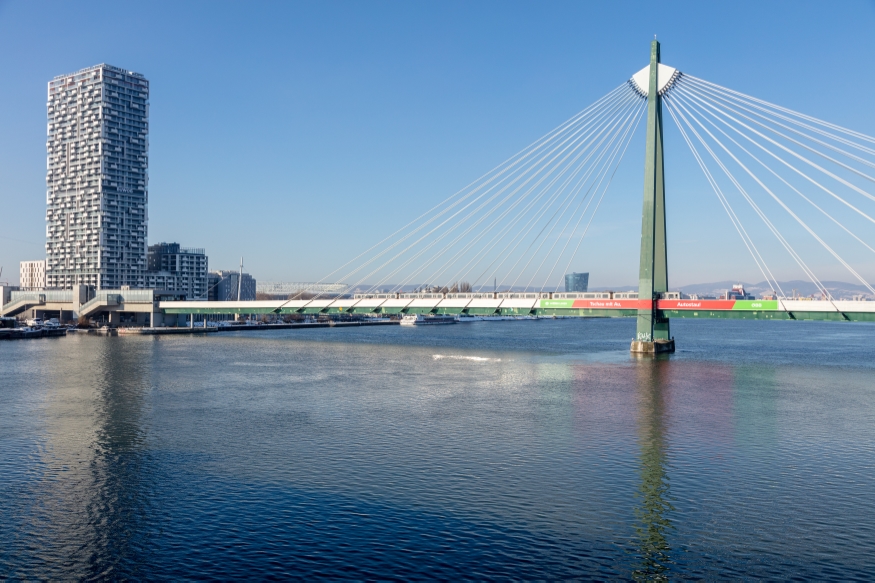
(653,524)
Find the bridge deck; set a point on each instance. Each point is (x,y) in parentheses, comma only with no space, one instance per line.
(744,309)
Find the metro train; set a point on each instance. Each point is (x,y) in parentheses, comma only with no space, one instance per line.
(602,295)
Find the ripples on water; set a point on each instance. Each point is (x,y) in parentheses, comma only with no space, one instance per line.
(507,450)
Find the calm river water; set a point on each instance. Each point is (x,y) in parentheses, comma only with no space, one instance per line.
(506,450)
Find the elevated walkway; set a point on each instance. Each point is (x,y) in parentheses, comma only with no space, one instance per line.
(98,304)
(16,306)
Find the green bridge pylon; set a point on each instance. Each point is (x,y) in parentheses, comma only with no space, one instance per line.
(653,333)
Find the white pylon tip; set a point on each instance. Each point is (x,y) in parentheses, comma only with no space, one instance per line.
(665,76)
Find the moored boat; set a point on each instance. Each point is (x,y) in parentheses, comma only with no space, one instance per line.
(427,319)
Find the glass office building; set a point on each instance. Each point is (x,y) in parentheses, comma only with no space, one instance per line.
(576,282)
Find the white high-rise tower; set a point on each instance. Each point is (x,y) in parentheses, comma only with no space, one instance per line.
(97,179)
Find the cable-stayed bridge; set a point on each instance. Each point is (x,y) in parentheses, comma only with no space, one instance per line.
(503,243)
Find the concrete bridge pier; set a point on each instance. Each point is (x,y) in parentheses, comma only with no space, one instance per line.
(653,334)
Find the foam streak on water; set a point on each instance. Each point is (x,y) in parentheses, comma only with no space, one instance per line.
(494,450)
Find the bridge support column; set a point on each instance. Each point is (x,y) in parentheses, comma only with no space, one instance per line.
(653,335)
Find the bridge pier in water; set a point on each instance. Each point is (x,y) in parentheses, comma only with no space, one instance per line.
(653,335)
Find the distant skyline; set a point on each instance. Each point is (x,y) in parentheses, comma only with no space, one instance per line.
(295,134)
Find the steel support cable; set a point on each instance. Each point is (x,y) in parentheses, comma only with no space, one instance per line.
(754,108)
(594,212)
(793,168)
(781,178)
(532,149)
(597,180)
(832,126)
(750,201)
(540,169)
(626,124)
(736,222)
(524,234)
(508,164)
(533,218)
(796,257)
(504,214)
(806,160)
(781,202)
(577,144)
(519,239)
(600,176)
(536,166)
(495,221)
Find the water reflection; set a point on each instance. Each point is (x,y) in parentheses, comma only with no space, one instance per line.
(652,513)
(94,492)
(755,410)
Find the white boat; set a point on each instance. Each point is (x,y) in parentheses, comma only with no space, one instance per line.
(470,318)
(421,319)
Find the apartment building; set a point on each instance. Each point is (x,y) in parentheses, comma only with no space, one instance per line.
(187,265)
(32,275)
(97,179)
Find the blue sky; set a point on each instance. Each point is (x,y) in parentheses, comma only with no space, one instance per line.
(296,134)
